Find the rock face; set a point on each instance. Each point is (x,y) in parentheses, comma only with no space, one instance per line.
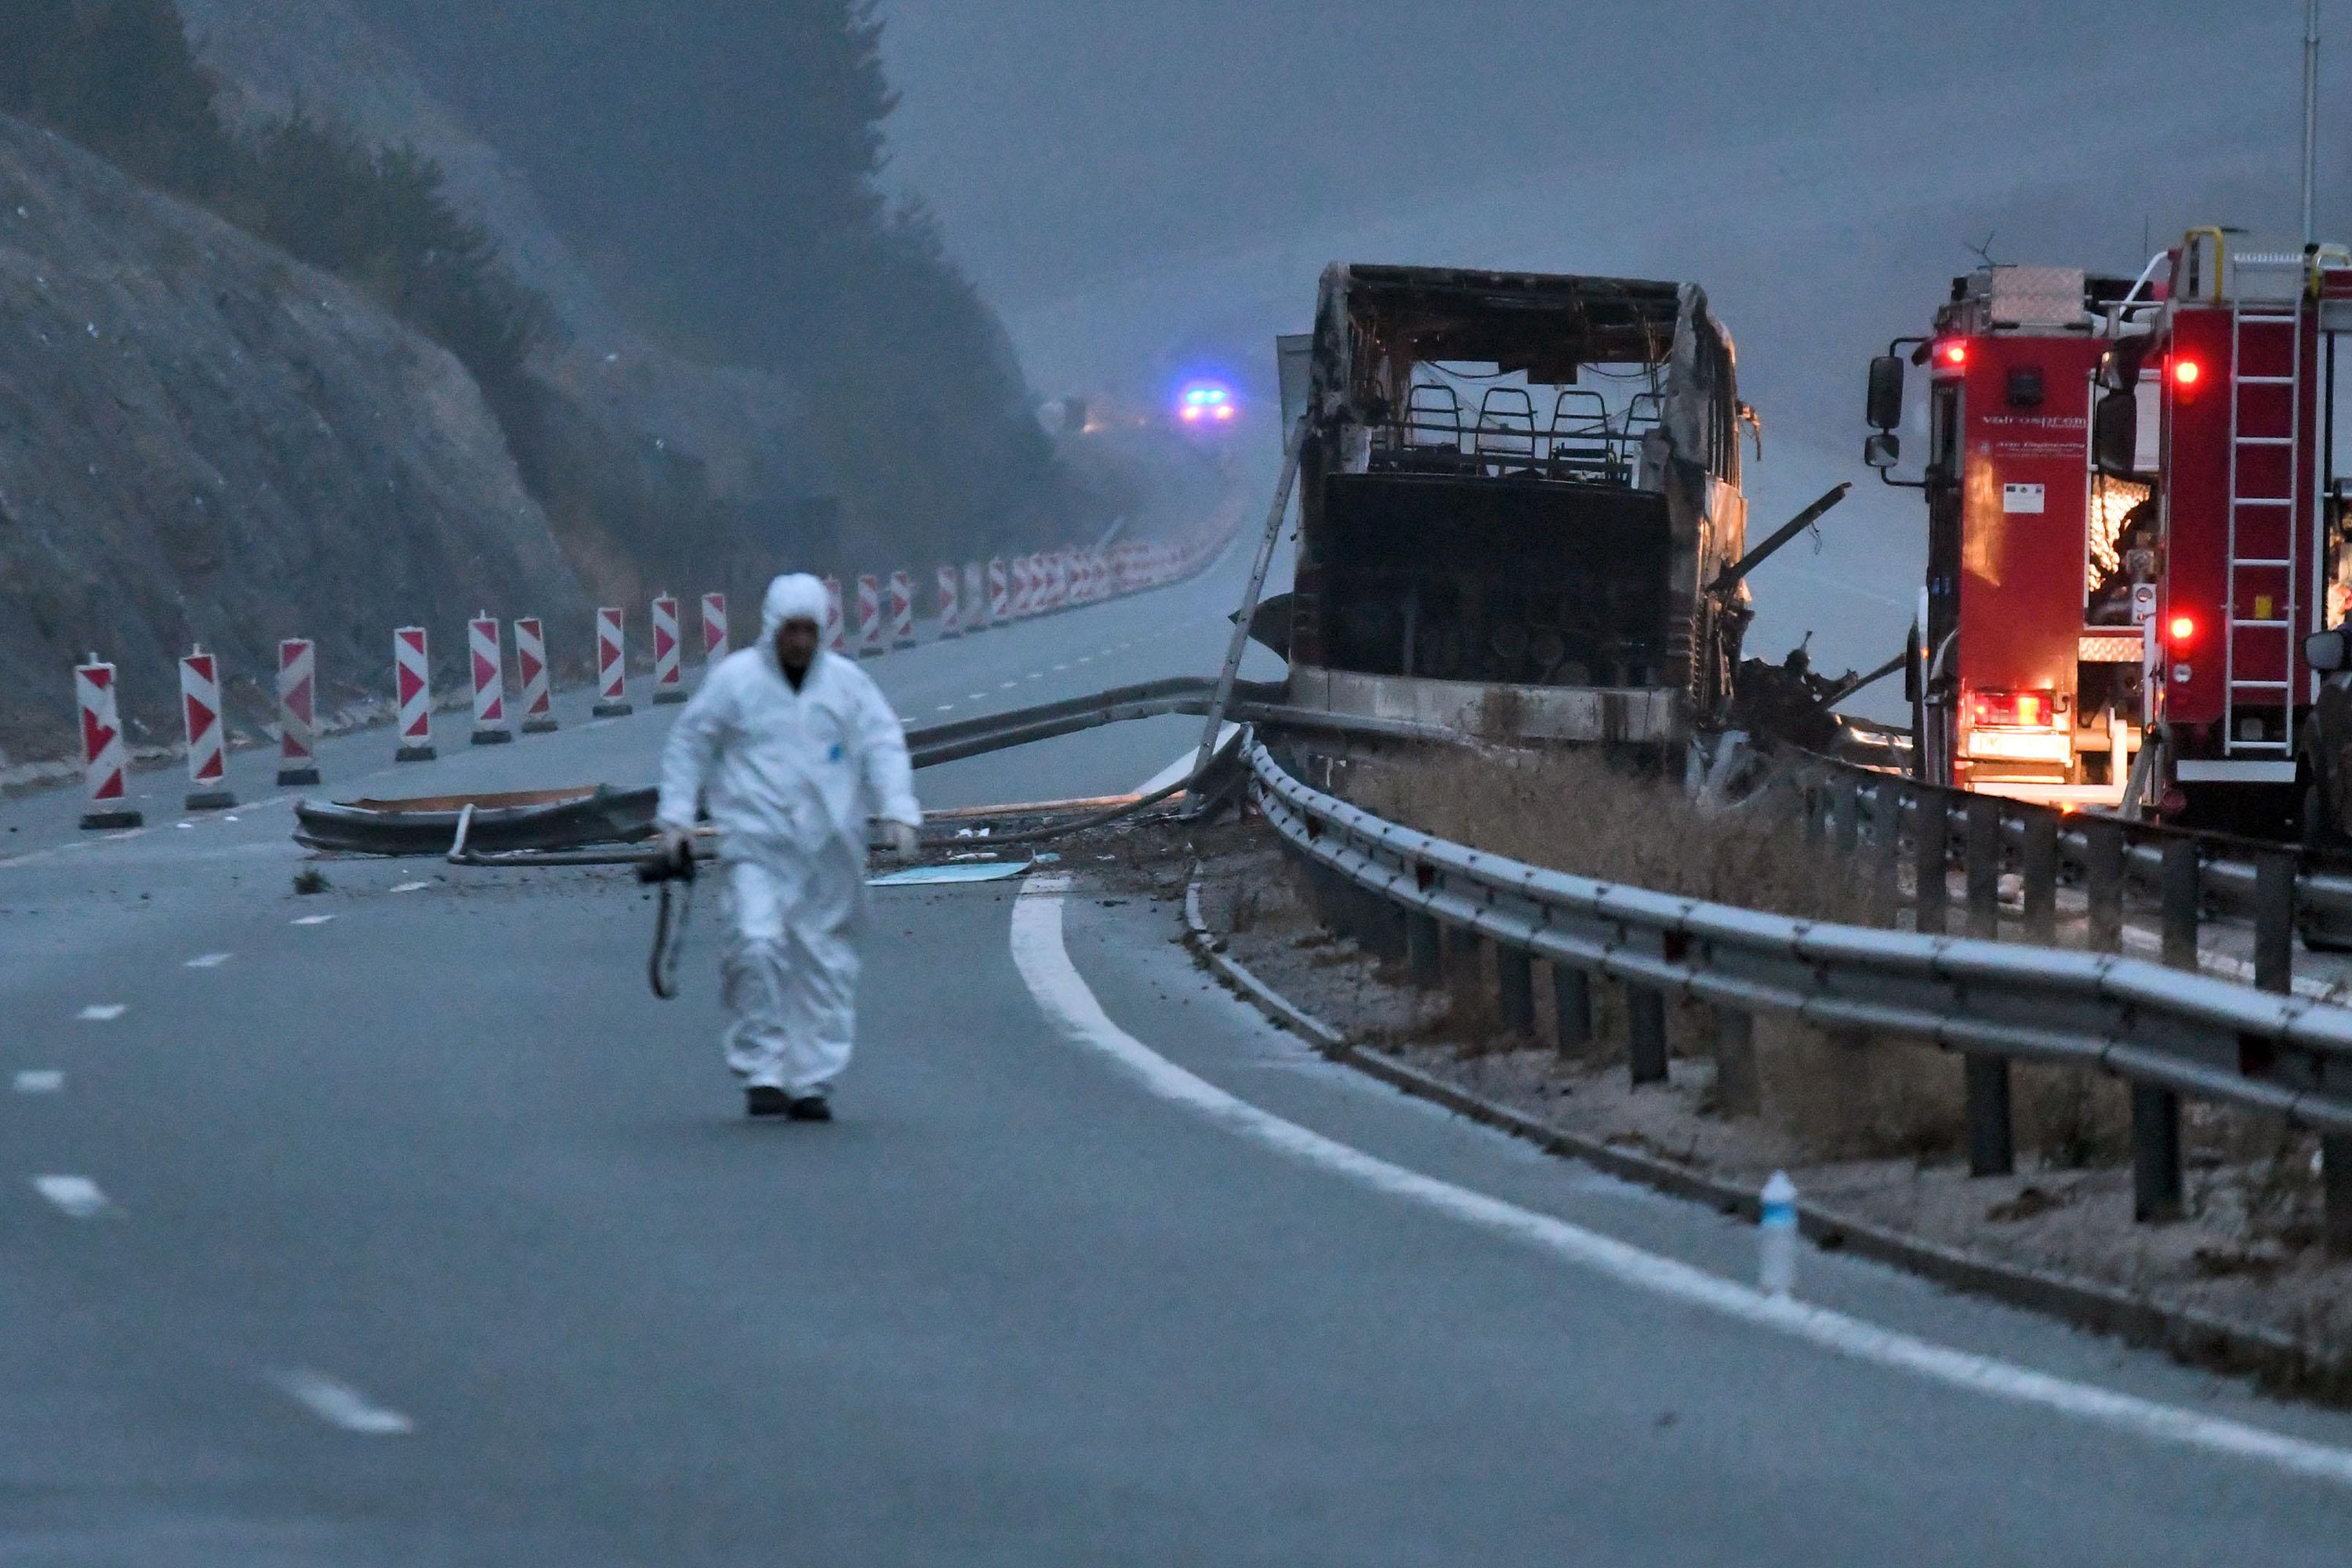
(202,441)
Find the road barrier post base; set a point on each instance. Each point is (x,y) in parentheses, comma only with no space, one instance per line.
(107,821)
(493,737)
(415,755)
(613,709)
(295,778)
(662,698)
(540,726)
(210,799)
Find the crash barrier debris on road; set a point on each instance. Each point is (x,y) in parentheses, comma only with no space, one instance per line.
(200,708)
(2166,1031)
(298,714)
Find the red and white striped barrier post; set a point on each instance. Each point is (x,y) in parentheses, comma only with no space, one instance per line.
(951,601)
(298,713)
(902,611)
(869,616)
(106,761)
(200,713)
(1024,586)
(975,602)
(1057,579)
(1000,593)
(669,676)
(836,636)
(486,655)
(612,665)
(530,663)
(412,678)
(714,629)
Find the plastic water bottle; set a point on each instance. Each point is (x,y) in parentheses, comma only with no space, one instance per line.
(1776,1240)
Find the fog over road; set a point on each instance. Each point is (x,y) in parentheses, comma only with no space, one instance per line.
(399,1225)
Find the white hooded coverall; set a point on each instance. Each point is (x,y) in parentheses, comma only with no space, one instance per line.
(790,778)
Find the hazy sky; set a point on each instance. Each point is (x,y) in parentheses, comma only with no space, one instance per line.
(1147,185)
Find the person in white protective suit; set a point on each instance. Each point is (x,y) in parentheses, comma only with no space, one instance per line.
(791,749)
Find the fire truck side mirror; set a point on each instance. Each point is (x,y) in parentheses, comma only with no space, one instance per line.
(2325,651)
(2115,433)
(1883,406)
(1883,450)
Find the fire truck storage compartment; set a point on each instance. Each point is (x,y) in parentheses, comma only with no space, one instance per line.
(1530,582)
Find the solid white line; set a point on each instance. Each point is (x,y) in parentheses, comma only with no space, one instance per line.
(340,1404)
(101,1012)
(311,920)
(40,1080)
(77,1196)
(208,961)
(1070,1005)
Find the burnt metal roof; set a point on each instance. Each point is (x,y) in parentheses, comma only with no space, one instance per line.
(1512,318)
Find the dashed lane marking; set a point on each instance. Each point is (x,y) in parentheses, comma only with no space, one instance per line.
(39,1080)
(1072,1007)
(975,697)
(340,1404)
(1008,685)
(208,961)
(311,920)
(102,1011)
(75,1196)
(944,708)
(412,887)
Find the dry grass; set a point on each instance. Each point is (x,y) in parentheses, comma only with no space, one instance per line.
(1576,812)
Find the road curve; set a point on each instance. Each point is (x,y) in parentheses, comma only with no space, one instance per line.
(398,1224)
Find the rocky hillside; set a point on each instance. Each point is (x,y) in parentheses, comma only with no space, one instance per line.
(202,441)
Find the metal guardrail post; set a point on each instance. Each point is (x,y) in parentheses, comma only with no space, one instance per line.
(2274,921)
(1462,955)
(1423,952)
(1645,1034)
(1992,1150)
(2040,865)
(1931,848)
(1846,800)
(1515,982)
(2157,1183)
(1983,853)
(1738,1091)
(2336,1192)
(2177,896)
(1571,1003)
(2103,883)
(1886,850)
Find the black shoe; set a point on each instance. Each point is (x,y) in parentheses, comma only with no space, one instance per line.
(809,1108)
(766,1100)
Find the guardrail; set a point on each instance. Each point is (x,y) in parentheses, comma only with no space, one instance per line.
(2166,1031)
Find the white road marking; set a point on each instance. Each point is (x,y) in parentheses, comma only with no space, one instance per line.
(311,920)
(975,697)
(1034,675)
(39,1080)
(944,708)
(1066,1000)
(118,837)
(102,1011)
(77,1196)
(209,960)
(411,887)
(1008,686)
(340,1404)
(1059,668)
(183,824)
(1085,658)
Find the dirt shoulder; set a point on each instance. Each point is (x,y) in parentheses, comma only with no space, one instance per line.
(1870,1129)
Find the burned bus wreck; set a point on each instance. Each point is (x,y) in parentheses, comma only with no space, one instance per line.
(1518,496)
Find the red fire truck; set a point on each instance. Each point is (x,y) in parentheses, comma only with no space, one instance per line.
(2255,715)
(2027,652)
(2202,574)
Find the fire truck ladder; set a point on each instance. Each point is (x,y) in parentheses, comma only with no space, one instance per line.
(2265,582)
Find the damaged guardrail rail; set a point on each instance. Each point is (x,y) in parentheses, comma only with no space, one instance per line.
(2169,1032)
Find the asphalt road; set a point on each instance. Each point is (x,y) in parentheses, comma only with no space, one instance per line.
(398,1224)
